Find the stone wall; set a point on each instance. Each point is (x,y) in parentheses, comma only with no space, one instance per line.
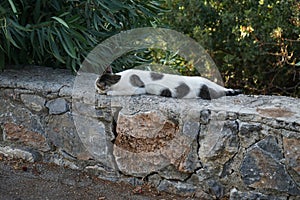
(243,147)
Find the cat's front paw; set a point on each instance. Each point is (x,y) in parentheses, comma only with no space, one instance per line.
(110,93)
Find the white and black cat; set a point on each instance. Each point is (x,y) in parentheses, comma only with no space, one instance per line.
(136,82)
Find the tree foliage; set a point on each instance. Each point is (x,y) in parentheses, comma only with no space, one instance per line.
(255,44)
(61,32)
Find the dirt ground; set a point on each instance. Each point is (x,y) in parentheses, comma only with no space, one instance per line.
(21,180)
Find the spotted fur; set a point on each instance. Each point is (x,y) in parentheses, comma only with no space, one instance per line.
(156,76)
(136,82)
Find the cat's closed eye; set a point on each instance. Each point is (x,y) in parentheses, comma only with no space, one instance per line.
(100,85)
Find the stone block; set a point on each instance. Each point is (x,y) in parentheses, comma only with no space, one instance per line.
(1,134)
(291,150)
(170,172)
(177,187)
(153,139)
(216,188)
(19,134)
(154,179)
(95,140)
(33,102)
(205,116)
(57,106)
(262,168)
(249,133)
(218,142)
(62,134)
(14,112)
(239,195)
(17,153)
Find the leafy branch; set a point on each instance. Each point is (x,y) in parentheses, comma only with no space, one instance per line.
(60,33)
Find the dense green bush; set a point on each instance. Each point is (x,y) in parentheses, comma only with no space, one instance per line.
(59,33)
(255,44)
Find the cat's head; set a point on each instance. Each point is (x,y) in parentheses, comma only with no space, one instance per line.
(104,82)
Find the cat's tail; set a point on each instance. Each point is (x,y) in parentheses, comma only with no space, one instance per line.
(233,92)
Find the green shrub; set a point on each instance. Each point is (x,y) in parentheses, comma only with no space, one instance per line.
(60,33)
(255,44)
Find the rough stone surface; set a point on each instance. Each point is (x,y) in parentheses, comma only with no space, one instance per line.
(19,134)
(177,187)
(147,137)
(238,195)
(238,147)
(218,140)
(291,148)
(17,153)
(57,106)
(154,180)
(39,79)
(62,135)
(262,165)
(250,133)
(93,137)
(34,102)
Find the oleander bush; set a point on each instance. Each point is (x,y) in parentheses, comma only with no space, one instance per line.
(59,33)
(255,43)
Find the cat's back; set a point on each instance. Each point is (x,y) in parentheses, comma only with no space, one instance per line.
(145,76)
(135,73)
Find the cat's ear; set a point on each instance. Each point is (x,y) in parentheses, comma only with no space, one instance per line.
(110,79)
(105,81)
(114,78)
(109,70)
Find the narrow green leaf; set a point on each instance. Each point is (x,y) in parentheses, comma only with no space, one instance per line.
(2,10)
(32,38)
(146,11)
(73,19)
(102,5)
(78,36)
(110,20)
(61,21)
(155,6)
(8,49)
(56,52)
(56,4)
(40,34)
(54,48)
(100,22)
(12,5)
(19,38)
(18,26)
(37,11)
(36,53)
(64,14)
(118,4)
(67,44)
(115,5)
(95,21)
(73,65)
(2,60)
(10,39)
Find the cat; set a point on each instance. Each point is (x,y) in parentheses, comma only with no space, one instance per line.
(137,82)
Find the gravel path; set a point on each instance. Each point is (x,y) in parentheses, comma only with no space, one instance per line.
(32,181)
